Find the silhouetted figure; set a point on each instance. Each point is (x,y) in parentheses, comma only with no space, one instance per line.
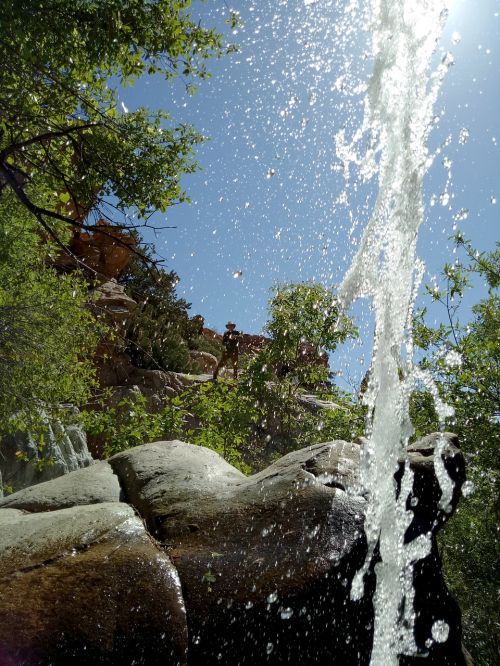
(231,341)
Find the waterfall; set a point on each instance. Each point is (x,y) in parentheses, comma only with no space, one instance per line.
(397,120)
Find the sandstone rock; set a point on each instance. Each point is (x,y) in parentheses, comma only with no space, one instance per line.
(205,361)
(110,301)
(65,446)
(91,485)
(106,250)
(211,334)
(87,585)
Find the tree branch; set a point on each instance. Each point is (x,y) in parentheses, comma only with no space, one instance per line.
(13,148)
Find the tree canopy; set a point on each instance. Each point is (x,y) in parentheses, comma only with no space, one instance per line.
(70,155)
(66,146)
(464,359)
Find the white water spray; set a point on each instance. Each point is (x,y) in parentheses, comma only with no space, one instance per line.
(398,118)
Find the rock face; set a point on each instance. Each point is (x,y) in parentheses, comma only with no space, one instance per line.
(64,445)
(205,361)
(91,485)
(265,562)
(107,250)
(87,585)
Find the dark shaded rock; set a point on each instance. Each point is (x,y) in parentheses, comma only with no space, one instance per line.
(426,491)
(91,485)
(87,585)
(433,602)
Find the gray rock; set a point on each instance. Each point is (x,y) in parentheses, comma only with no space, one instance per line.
(65,450)
(160,476)
(314,404)
(266,562)
(87,585)
(91,485)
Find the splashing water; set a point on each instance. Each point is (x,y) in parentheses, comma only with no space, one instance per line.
(398,118)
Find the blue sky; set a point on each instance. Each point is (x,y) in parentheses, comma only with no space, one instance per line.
(269,205)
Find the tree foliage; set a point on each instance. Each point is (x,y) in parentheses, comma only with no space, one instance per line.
(464,359)
(66,145)
(161,331)
(303,316)
(70,153)
(46,334)
(129,423)
(260,415)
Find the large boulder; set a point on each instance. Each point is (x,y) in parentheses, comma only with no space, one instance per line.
(205,362)
(91,485)
(24,463)
(87,585)
(272,556)
(263,564)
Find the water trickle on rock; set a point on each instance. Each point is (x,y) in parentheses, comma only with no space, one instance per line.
(398,118)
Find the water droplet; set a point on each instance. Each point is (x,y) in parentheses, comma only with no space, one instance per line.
(269,648)
(249,604)
(456,38)
(448,60)
(272,598)
(196,640)
(237,274)
(493,200)
(462,214)
(444,199)
(247,204)
(270,173)
(286,613)
(463,136)
(440,631)
(468,489)
(453,359)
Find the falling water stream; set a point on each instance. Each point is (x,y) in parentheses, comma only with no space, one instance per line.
(398,118)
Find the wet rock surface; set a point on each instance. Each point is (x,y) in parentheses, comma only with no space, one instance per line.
(87,585)
(265,563)
(91,485)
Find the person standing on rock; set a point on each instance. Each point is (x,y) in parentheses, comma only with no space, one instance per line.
(231,342)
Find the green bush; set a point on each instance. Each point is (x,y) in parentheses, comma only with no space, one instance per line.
(130,424)
(47,335)
(464,360)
